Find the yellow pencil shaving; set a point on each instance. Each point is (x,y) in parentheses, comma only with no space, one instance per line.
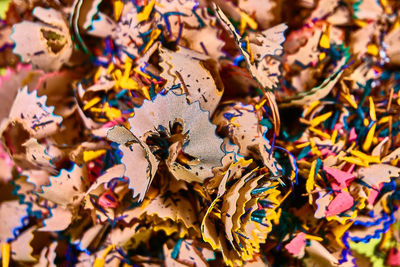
(145,13)
(99,263)
(5,254)
(97,110)
(91,155)
(258,106)
(102,120)
(338,232)
(353,144)
(128,83)
(310,181)
(280,201)
(248,49)
(375,140)
(304,121)
(355,161)
(365,157)
(313,237)
(216,214)
(324,42)
(312,143)
(361,23)
(243,161)
(145,92)
(334,136)
(394,162)
(350,100)
(276,219)
(112,113)
(246,20)
(320,133)
(98,74)
(384,120)
(126,124)
(153,36)
(373,49)
(92,102)
(361,203)
(396,25)
(372,112)
(108,249)
(128,68)
(118,7)
(385,239)
(385,205)
(116,75)
(292,175)
(321,56)
(233,123)
(388,9)
(365,122)
(321,118)
(315,151)
(110,68)
(368,139)
(311,107)
(314,148)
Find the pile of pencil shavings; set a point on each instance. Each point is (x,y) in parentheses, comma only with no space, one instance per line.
(200,133)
